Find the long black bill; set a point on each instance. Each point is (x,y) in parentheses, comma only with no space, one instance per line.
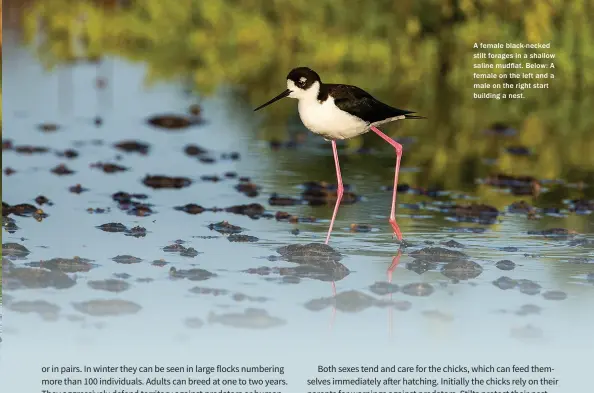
(278,97)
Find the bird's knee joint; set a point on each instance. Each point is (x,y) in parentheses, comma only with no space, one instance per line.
(398,148)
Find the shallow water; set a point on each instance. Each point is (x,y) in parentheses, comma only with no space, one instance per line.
(468,313)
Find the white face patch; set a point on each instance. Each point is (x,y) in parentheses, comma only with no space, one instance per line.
(297,92)
(302,79)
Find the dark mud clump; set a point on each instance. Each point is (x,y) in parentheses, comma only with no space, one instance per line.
(529,287)
(209,291)
(109,285)
(354,302)
(29,150)
(42,200)
(521,207)
(505,264)
(107,308)
(284,216)
(136,231)
(294,275)
(14,251)
(554,233)
(125,198)
(65,265)
(113,227)
(48,127)
(160,181)
(126,259)
(68,153)
(131,203)
(108,167)
(478,213)
(194,150)
(9,224)
(452,244)
(421,266)
(47,311)
(191,274)
(505,283)
(554,295)
(510,249)
(509,181)
(418,289)
(159,262)
(320,193)
(253,210)
(22,209)
(383,288)
(277,200)
(316,261)
(116,227)
(251,318)
(77,189)
(189,252)
(32,278)
(191,208)
(210,178)
(62,170)
(225,228)
(310,253)
(240,297)
(170,122)
(581,206)
(133,147)
(361,228)
(462,270)
(236,238)
(247,188)
(438,254)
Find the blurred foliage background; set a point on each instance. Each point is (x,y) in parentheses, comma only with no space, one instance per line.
(415,54)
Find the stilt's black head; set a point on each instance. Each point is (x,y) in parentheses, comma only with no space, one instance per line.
(303,77)
(299,82)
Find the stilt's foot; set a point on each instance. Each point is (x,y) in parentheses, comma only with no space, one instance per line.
(396,229)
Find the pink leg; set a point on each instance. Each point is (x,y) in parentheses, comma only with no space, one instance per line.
(398,148)
(339,190)
(395,262)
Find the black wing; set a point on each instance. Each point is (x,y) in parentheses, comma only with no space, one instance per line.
(359,103)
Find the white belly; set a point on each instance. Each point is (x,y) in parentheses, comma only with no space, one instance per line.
(327,120)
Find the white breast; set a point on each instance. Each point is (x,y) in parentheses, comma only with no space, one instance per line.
(326,119)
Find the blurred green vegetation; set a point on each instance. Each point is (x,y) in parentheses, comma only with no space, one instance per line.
(415,54)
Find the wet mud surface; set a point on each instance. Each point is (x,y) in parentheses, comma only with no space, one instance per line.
(184,218)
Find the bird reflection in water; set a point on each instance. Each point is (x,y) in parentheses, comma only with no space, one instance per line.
(389,272)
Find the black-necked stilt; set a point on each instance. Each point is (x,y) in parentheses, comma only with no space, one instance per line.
(337,111)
